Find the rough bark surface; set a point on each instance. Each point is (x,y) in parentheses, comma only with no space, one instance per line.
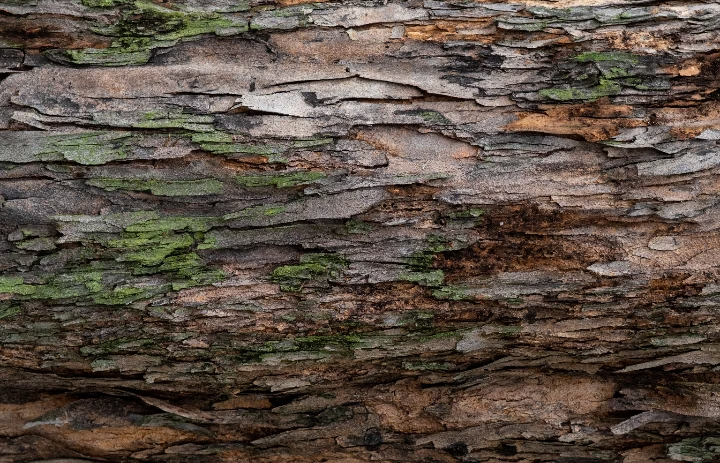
(432,231)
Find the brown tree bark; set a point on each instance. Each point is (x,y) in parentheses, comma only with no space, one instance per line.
(282,231)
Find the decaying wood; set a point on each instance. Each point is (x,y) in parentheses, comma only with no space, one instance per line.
(432,231)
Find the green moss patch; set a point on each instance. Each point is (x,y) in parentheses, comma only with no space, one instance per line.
(15,285)
(452,293)
(427,278)
(150,248)
(256,211)
(142,27)
(173,223)
(202,187)
(279,180)
(175,120)
(595,56)
(312,266)
(696,449)
(606,87)
(92,148)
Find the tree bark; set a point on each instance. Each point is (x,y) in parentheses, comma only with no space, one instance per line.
(282,231)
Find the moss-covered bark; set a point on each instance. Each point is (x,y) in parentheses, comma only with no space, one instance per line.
(274,231)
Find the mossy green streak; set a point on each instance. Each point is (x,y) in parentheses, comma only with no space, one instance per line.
(606,87)
(15,285)
(202,187)
(142,27)
(312,266)
(280,180)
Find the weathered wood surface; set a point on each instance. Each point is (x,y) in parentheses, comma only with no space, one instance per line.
(429,231)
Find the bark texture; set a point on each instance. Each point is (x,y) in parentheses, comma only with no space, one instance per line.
(419,231)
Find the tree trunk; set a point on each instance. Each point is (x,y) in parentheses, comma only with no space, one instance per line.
(282,231)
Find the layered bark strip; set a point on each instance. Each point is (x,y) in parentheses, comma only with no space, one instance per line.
(419,231)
